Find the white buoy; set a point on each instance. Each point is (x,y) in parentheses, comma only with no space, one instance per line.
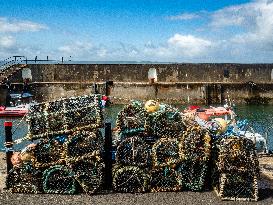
(152,75)
(26,73)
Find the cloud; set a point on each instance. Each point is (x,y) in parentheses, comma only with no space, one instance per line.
(179,47)
(75,48)
(19,26)
(189,45)
(185,16)
(6,41)
(255,19)
(243,32)
(83,50)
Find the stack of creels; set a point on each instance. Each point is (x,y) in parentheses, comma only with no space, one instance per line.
(166,153)
(166,122)
(24,178)
(132,161)
(132,119)
(82,156)
(64,116)
(236,170)
(196,150)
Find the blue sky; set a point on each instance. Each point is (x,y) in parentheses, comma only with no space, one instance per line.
(194,31)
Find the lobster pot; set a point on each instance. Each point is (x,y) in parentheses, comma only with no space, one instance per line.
(48,152)
(166,152)
(133,151)
(193,174)
(83,143)
(59,180)
(64,116)
(130,179)
(237,154)
(132,118)
(55,116)
(167,122)
(236,169)
(24,179)
(195,144)
(36,119)
(88,173)
(84,111)
(165,179)
(237,187)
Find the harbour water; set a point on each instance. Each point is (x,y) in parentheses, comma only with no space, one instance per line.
(259,117)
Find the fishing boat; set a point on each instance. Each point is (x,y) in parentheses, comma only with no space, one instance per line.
(18,105)
(17,111)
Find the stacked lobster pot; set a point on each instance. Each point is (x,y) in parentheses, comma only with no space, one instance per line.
(66,156)
(133,157)
(158,151)
(236,169)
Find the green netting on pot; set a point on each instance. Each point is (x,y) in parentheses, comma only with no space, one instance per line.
(83,143)
(132,118)
(165,179)
(133,151)
(37,125)
(237,154)
(166,152)
(59,179)
(193,174)
(130,133)
(167,122)
(89,173)
(55,116)
(237,187)
(195,143)
(36,119)
(24,179)
(49,152)
(130,179)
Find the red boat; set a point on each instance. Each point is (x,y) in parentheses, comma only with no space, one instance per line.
(17,111)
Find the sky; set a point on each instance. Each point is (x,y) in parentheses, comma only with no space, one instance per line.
(193,31)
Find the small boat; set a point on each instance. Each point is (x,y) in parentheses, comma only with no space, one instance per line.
(17,111)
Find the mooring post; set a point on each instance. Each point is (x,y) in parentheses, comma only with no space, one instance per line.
(9,144)
(108,85)
(108,156)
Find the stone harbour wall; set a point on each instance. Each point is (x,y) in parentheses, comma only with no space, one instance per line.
(177,83)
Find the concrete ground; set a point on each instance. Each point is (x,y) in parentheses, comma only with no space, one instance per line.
(162,198)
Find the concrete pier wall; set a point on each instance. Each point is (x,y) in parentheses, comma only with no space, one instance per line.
(177,83)
(259,73)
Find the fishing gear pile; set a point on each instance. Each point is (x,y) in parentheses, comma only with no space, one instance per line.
(67,157)
(158,151)
(236,169)
(196,151)
(133,152)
